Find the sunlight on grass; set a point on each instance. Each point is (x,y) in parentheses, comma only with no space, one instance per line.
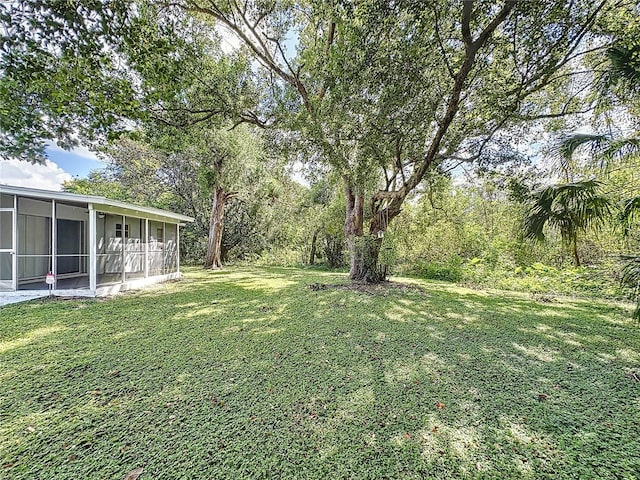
(629,356)
(198,312)
(248,373)
(539,353)
(439,439)
(31,337)
(267,331)
(267,283)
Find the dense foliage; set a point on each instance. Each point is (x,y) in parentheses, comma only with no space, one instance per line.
(436,138)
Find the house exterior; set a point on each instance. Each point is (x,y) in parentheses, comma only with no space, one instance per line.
(82,245)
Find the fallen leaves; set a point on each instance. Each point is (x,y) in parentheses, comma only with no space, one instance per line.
(440,405)
(134,474)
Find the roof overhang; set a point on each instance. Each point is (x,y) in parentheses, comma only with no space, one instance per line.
(101,204)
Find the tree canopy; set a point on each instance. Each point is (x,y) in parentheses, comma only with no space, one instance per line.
(384,94)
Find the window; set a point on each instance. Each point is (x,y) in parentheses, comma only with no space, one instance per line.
(119,230)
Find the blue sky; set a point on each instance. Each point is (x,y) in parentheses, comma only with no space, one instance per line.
(62,166)
(73,163)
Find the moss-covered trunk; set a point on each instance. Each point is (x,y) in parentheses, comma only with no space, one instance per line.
(363,249)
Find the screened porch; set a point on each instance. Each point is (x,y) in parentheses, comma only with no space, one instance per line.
(83,243)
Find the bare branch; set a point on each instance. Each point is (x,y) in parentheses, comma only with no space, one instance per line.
(467,7)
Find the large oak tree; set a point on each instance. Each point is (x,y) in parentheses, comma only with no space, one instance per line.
(385,92)
(389,91)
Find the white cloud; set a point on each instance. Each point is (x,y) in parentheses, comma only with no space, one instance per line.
(80,151)
(24,174)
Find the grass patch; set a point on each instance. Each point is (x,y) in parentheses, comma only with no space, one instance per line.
(249,373)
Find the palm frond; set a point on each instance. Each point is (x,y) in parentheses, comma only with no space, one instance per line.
(567,146)
(534,221)
(568,207)
(625,64)
(622,147)
(603,148)
(629,212)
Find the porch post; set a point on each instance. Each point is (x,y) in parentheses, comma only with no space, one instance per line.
(92,248)
(54,244)
(146,247)
(164,248)
(124,242)
(178,248)
(14,244)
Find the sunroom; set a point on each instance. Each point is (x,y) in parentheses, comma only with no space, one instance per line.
(64,244)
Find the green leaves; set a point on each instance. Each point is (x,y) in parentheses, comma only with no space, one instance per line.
(59,74)
(569,207)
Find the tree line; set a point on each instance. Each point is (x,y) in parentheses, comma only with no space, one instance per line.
(379,102)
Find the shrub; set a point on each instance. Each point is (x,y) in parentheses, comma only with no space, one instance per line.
(448,271)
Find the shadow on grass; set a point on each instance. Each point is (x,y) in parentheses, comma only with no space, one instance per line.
(247,373)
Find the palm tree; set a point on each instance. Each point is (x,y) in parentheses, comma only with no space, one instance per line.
(624,70)
(605,149)
(568,207)
(624,58)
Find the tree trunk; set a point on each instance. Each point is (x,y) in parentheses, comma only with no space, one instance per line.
(333,250)
(216,225)
(574,250)
(363,250)
(314,242)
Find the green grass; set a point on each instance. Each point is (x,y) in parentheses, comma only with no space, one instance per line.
(248,373)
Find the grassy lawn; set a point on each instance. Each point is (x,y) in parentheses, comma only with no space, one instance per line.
(249,373)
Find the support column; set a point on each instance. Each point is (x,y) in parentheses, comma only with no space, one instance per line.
(92,248)
(54,244)
(14,246)
(124,242)
(164,248)
(178,248)
(146,247)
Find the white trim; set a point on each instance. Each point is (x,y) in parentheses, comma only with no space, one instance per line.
(146,247)
(134,284)
(15,242)
(12,250)
(164,248)
(54,243)
(123,248)
(178,248)
(92,248)
(119,207)
(7,298)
